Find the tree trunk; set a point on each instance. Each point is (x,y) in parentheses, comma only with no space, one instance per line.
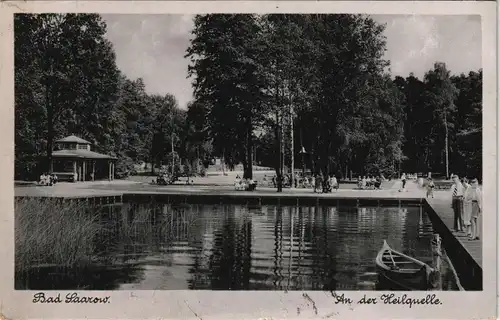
(292,151)
(446,143)
(282,144)
(50,126)
(248,169)
(278,145)
(223,162)
(313,161)
(152,161)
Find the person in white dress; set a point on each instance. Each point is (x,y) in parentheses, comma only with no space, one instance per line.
(477,208)
(467,209)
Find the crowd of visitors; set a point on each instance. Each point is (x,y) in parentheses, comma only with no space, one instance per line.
(315,182)
(241,184)
(47,179)
(370,182)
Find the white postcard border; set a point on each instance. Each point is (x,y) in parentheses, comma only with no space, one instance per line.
(250,304)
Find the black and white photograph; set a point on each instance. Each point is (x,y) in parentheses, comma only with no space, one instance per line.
(255,151)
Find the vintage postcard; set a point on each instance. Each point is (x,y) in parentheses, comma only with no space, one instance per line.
(248,160)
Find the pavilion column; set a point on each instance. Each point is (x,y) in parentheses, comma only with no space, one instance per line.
(74,170)
(109,170)
(80,171)
(84,169)
(51,165)
(93,170)
(112,170)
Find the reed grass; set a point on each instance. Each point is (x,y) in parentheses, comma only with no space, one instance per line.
(72,234)
(54,232)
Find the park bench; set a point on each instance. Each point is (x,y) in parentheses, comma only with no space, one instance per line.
(65,176)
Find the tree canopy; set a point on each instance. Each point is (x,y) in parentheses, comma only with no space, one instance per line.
(324,79)
(264,87)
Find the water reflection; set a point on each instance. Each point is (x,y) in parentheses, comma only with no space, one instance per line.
(228,247)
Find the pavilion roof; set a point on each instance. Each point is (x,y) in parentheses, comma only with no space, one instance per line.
(80,153)
(73,139)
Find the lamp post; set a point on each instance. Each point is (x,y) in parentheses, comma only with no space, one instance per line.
(173,159)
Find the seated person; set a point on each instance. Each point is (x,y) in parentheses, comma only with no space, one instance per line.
(54,178)
(368,182)
(363,182)
(360,182)
(251,184)
(43,179)
(239,185)
(49,179)
(378,183)
(237,181)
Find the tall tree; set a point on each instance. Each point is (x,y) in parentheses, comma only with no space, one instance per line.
(74,65)
(469,124)
(441,93)
(225,67)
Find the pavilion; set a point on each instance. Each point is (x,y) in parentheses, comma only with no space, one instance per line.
(73,160)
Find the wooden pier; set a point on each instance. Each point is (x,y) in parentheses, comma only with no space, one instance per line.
(445,212)
(466,255)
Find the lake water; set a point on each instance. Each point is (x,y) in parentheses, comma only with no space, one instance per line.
(232,247)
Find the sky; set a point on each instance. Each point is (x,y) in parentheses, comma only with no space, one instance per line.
(152,47)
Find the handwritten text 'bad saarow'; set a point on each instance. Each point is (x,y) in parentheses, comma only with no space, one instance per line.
(72,297)
(390,299)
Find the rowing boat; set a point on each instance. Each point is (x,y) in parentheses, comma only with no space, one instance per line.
(402,272)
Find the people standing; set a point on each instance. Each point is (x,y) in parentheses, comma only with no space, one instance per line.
(430,188)
(403,182)
(333,183)
(457,203)
(476,209)
(468,197)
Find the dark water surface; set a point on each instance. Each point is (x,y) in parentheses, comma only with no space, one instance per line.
(232,247)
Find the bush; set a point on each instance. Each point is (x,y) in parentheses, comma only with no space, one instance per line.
(203,171)
(124,166)
(187,169)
